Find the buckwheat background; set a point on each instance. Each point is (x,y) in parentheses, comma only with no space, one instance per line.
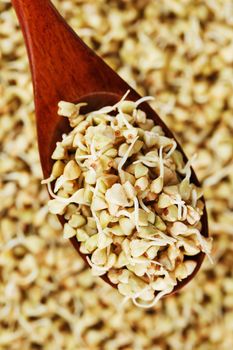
(181,52)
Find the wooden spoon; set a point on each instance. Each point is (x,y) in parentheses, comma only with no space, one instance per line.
(64,68)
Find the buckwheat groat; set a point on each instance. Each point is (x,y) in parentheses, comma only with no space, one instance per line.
(126,195)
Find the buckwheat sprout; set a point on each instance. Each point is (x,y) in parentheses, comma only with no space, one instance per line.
(202,243)
(162,268)
(168,239)
(88,156)
(101,269)
(92,149)
(156,299)
(153,160)
(143,99)
(134,296)
(174,144)
(59,183)
(80,145)
(99,227)
(150,164)
(113,126)
(51,178)
(73,198)
(94,155)
(143,206)
(182,209)
(96,189)
(134,261)
(125,121)
(53,195)
(109,109)
(107,117)
(194,198)
(123,98)
(104,110)
(124,158)
(123,213)
(161,167)
(136,213)
(150,276)
(187,168)
(58,198)
(103,150)
(159,242)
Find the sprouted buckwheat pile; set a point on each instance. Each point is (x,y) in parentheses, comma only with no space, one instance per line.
(125,192)
(48,298)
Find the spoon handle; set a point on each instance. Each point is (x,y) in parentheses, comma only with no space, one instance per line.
(48,39)
(59,59)
(62,66)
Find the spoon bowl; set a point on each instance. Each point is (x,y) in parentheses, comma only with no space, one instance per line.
(96,101)
(64,68)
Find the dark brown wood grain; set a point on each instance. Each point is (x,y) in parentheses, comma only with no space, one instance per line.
(64,68)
